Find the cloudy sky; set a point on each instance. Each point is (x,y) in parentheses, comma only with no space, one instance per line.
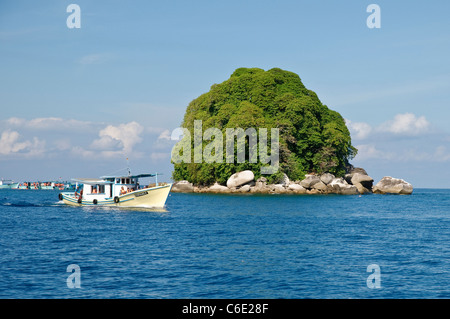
(76,102)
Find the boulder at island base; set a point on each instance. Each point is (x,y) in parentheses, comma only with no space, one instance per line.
(391,185)
(327,178)
(297,188)
(182,187)
(240,178)
(362,182)
(352,184)
(217,188)
(340,186)
(309,181)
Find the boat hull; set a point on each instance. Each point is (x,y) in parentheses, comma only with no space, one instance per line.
(154,197)
(10,186)
(47,188)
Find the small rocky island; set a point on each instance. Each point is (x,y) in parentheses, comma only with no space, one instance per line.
(313,145)
(354,183)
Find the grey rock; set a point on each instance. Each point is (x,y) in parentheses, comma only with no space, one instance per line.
(285,180)
(278,188)
(340,186)
(358,170)
(297,188)
(327,178)
(240,178)
(362,182)
(309,181)
(348,178)
(366,180)
(217,188)
(391,185)
(320,186)
(262,179)
(348,190)
(182,187)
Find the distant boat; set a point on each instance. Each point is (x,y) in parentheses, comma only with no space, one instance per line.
(24,185)
(29,185)
(8,184)
(55,186)
(117,191)
(47,185)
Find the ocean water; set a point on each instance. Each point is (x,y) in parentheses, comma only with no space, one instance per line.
(228,246)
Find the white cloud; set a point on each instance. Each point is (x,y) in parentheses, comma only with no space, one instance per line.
(10,144)
(402,124)
(425,154)
(165,135)
(124,136)
(369,151)
(407,123)
(165,141)
(359,130)
(50,124)
(106,143)
(15,121)
(72,137)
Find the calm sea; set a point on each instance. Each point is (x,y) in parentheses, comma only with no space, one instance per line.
(228,246)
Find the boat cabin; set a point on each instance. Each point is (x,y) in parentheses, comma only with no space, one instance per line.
(108,187)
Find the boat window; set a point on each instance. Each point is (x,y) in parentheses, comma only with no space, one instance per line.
(123,180)
(101,189)
(128,181)
(118,181)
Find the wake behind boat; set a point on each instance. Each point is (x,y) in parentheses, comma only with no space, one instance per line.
(117,191)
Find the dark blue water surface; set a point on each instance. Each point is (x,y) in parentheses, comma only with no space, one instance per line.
(228,246)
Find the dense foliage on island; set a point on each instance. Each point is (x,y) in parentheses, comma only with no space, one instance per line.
(313,138)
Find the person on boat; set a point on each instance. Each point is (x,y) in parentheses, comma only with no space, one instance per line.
(94,191)
(122,191)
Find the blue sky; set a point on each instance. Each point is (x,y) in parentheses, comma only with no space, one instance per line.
(77,102)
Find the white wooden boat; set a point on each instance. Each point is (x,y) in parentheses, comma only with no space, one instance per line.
(117,191)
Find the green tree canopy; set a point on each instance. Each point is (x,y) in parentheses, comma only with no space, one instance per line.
(313,138)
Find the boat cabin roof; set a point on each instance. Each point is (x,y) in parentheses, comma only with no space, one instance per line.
(92,181)
(128,176)
(104,180)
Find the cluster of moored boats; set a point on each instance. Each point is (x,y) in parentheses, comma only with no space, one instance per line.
(9,184)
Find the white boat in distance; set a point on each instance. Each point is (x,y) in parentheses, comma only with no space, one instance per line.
(8,184)
(117,191)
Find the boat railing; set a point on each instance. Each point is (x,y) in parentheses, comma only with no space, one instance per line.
(154,185)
